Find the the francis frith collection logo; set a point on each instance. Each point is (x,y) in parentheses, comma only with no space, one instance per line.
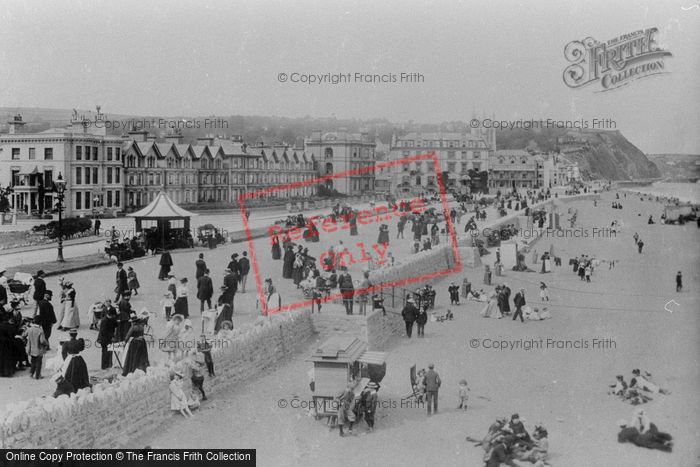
(614,63)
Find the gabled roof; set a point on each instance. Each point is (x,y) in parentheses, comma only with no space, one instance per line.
(199,149)
(146,146)
(294,155)
(162,207)
(131,144)
(165,148)
(183,149)
(285,157)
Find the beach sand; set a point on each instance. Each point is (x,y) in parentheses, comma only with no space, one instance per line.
(565,389)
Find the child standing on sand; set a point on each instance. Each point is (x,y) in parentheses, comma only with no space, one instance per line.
(587,273)
(544,294)
(463,394)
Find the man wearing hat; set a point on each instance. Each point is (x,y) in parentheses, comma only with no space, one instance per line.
(45,315)
(200,266)
(409,313)
(519,302)
(234,266)
(231,284)
(369,403)
(37,345)
(39,288)
(432,385)
(105,336)
(122,282)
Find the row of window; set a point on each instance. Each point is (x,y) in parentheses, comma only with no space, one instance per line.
(450,154)
(427,166)
(17,154)
(366,154)
(217,164)
(91,153)
(83,200)
(440,144)
(90,175)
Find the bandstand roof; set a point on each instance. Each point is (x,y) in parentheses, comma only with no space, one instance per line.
(162,207)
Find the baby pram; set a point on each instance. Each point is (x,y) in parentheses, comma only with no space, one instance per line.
(97,310)
(19,288)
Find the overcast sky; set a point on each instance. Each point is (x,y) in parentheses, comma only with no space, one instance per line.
(210,57)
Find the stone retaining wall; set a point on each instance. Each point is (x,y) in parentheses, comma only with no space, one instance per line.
(117,414)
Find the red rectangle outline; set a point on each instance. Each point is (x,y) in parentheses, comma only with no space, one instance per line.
(397,283)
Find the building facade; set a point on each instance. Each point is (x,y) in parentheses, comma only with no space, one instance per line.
(340,151)
(90,162)
(513,169)
(457,153)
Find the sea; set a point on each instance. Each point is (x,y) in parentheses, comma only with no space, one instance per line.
(685,192)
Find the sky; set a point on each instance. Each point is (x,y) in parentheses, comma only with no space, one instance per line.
(199,58)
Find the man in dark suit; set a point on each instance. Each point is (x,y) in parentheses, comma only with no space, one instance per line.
(201,266)
(231,284)
(108,327)
(234,266)
(45,316)
(432,385)
(205,290)
(39,289)
(244,265)
(409,313)
(122,282)
(519,301)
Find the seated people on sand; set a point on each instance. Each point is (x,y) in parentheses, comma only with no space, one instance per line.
(641,432)
(644,382)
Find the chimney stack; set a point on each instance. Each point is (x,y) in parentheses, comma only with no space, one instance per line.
(16,124)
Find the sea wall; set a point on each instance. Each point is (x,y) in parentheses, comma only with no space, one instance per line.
(117,414)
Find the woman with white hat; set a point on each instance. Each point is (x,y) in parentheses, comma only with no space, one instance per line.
(178,399)
(181,306)
(71,317)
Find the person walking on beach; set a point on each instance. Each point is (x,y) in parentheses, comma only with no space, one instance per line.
(640,245)
(200,266)
(519,301)
(679,282)
(205,290)
(432,385)
(244,265)
(409,314)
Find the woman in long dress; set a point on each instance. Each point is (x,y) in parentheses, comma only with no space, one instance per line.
(288,262)
(71,317)
(137,351)
(276,250)
(166,262)
(225,314)
(298,269)
(491,307)
(181,306)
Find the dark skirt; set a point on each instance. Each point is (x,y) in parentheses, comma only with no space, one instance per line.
(287,269)
(353,229)
(136,357)
(8,360)
(181,307)
(163,274)
(77,373)
(276,251)
(383,237)
(225,315)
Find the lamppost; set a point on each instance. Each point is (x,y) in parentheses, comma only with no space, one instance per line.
(59,189)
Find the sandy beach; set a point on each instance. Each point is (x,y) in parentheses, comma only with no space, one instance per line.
(563,388)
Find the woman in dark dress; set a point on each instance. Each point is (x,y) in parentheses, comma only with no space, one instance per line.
(383,234)
(137,352)
(8,357)
(226,314)
(77,372)
(166,262)
(353,223)
(276,250)
(288,265)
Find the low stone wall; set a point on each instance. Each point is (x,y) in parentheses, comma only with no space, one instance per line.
(116,414)
(438,259)
(382,329)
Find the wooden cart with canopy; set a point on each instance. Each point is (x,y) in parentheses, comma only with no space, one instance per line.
(338,361)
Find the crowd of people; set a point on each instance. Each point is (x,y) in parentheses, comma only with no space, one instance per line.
(508,440)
